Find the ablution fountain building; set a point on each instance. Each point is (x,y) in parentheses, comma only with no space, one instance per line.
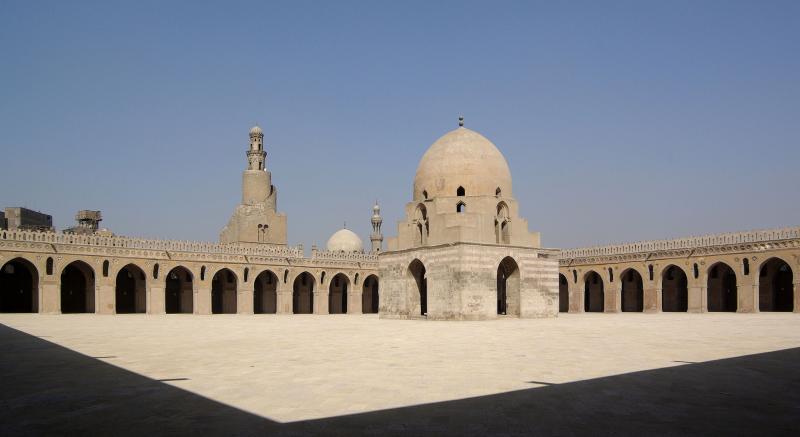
(462,252)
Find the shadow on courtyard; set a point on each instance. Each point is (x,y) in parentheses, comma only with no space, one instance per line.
(48,389)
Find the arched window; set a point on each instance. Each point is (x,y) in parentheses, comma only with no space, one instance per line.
(425,194)
(461,192)
(696,271)
(575,276)
(746,266)
(285,275)
(155,271)
(650,271)
(49,266)
(246,272)
(105,268)
(355,282)
(461,207)
(498,192)
(203,273)
(322,278)
(610,275)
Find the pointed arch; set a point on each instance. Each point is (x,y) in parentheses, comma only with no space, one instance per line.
(419,300)
(369,295)
(631,290)
(508,285)
(674,289)
(265,293)
(77,288)
(594,294)
(19,286)
(179,291)
(130,290)
(303,294)
(337,294)
(775,286)
(563,294)
(224,286)
(721,290)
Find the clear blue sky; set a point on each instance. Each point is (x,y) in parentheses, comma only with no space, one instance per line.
(620,120)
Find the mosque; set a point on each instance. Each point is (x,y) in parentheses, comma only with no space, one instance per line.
(462,252)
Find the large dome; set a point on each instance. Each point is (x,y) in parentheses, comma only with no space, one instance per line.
(345,240)
(462,158)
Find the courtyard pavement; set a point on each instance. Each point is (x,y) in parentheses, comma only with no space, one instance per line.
(578,374)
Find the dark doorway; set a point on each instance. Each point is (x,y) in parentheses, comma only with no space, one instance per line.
(179,291)
(563,294)
(417,271)
(594,296)
(775,287)
(130,290)
(674,290)
(721,288)
(77,288)
(369,295)
(223,292)
(19,287)
(632,291)
(265,293)
(508,287)
(337,294)
(303,294)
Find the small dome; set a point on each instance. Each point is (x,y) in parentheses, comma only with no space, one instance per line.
(345,240)
(255,130)
(462,158)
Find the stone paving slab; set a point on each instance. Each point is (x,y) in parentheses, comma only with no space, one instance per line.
(306,367)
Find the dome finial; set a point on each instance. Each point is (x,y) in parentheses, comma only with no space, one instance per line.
(345,225)
(460,121)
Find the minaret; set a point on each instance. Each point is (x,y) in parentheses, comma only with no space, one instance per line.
(376,237)
(256,181)
(256,220)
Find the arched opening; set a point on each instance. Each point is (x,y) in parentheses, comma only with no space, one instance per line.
(130,290)
(775,287)
(337,294)
(508,287)
(721,292)
(425,194)
(461,207)
(674,290)
(632,291)
(563,294)
(265,293)
(77,288)
(421,224)
(594,296)
(502,224)
(419,300)
(19,287)
(303,294)
(461,192)
(223,292)
(179,292)
(498,192)
(369,295)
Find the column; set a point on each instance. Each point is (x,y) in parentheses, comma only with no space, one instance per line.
(202,298)
(354,303)
(612,299)
(284,304)
(244,298)
(746,294)
(50,294)
(321,302)
(652,300)
(796,293)
(156,296)
(105,301)
(697,298)
(575,297)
